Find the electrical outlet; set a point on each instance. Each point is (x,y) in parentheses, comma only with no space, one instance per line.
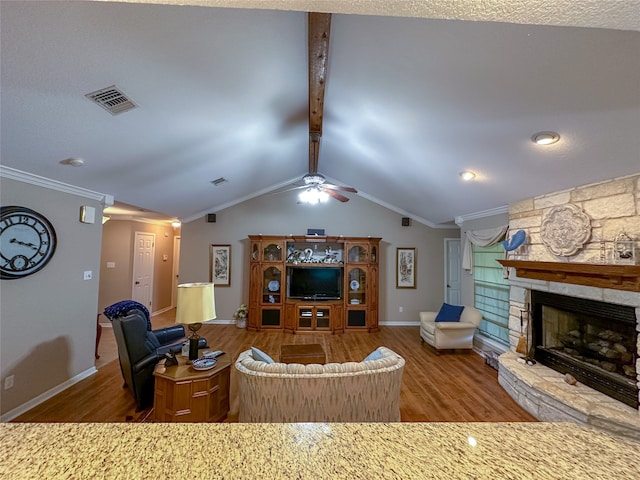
(401,309)
(88,275)
(8,382)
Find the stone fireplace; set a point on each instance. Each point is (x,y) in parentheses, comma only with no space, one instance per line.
(542,390)
(592,302)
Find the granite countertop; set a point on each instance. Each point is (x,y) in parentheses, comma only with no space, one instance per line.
(313,451)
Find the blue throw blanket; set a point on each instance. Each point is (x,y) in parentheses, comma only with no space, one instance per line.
(121,309)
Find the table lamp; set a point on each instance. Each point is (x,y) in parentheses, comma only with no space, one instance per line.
(195,305)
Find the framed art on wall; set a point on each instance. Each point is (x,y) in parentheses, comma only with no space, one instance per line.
(220,265)
(405,268)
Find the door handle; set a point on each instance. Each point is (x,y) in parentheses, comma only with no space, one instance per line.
(137,283)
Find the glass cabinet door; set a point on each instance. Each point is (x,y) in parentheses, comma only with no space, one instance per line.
(357,286)
(272,252)
(272,285)
(357,254)
(305,317)
(255,252)
(322,318)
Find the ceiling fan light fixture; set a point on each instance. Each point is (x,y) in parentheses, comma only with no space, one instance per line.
(313,195)
(313,179)
(545,138)
(467,175)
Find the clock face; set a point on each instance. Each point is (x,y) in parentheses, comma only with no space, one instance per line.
(27,242)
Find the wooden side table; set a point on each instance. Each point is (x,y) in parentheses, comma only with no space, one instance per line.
(183,394)
(304,354)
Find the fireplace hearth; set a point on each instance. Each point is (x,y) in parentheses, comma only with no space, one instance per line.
(592,340)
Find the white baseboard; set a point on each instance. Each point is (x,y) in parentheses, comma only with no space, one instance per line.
(411,323)
(43,397)
(161,311)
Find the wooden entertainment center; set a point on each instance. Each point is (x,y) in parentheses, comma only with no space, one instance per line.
(309,283)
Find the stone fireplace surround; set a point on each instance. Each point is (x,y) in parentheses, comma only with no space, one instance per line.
(613,206)
(542,391)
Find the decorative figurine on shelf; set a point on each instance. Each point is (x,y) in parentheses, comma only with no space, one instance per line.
(624,249)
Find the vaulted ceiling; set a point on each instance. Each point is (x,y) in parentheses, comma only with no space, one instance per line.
(415,93)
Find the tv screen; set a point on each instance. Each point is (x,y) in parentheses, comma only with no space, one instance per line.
(315,283)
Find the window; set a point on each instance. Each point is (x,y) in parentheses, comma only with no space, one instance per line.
(491,292)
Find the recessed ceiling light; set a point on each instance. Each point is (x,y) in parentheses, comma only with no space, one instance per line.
(545,138)
(467,175)
(74,162)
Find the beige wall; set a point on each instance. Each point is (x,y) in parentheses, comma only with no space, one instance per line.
(280,214)
(48,319)
(118,244)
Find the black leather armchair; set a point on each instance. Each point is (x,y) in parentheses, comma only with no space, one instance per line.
(140,349)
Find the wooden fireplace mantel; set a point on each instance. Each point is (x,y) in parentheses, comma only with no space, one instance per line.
(617,277)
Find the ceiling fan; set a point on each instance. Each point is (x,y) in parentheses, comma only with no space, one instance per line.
(316,188)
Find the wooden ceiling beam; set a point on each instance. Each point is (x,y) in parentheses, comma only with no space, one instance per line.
(319,32)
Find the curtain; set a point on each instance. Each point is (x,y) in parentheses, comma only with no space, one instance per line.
(481,238)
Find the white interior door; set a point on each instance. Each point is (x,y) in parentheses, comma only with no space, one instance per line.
(144,254)
(175,271)
(452,286)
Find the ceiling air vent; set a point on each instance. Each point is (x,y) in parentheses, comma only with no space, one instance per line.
(219,181)
(112,100)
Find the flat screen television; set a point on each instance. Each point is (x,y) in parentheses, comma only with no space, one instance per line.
(314,283)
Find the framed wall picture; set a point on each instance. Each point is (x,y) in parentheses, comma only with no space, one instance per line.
(405,268)
(220,265)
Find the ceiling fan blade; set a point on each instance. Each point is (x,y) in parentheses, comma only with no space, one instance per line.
(340,187)
(336,195)
(278,192)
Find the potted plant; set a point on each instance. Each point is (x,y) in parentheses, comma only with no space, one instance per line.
(241,316)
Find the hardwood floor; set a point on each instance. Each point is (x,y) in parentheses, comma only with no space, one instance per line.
(451,387)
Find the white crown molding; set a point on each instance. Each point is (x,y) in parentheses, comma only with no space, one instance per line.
(133,218)
(297,178)
(486,213)
(13,174)
(402,212)
(264,191)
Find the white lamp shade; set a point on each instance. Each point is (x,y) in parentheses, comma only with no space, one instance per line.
(196,303)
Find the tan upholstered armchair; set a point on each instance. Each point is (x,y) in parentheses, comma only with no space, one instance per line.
(450,335)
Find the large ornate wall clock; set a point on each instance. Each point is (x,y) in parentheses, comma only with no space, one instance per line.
(27,242)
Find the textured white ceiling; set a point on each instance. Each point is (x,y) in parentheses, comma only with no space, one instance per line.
(410,101)
(614,14)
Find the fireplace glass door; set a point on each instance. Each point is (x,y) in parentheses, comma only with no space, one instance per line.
(594,341)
